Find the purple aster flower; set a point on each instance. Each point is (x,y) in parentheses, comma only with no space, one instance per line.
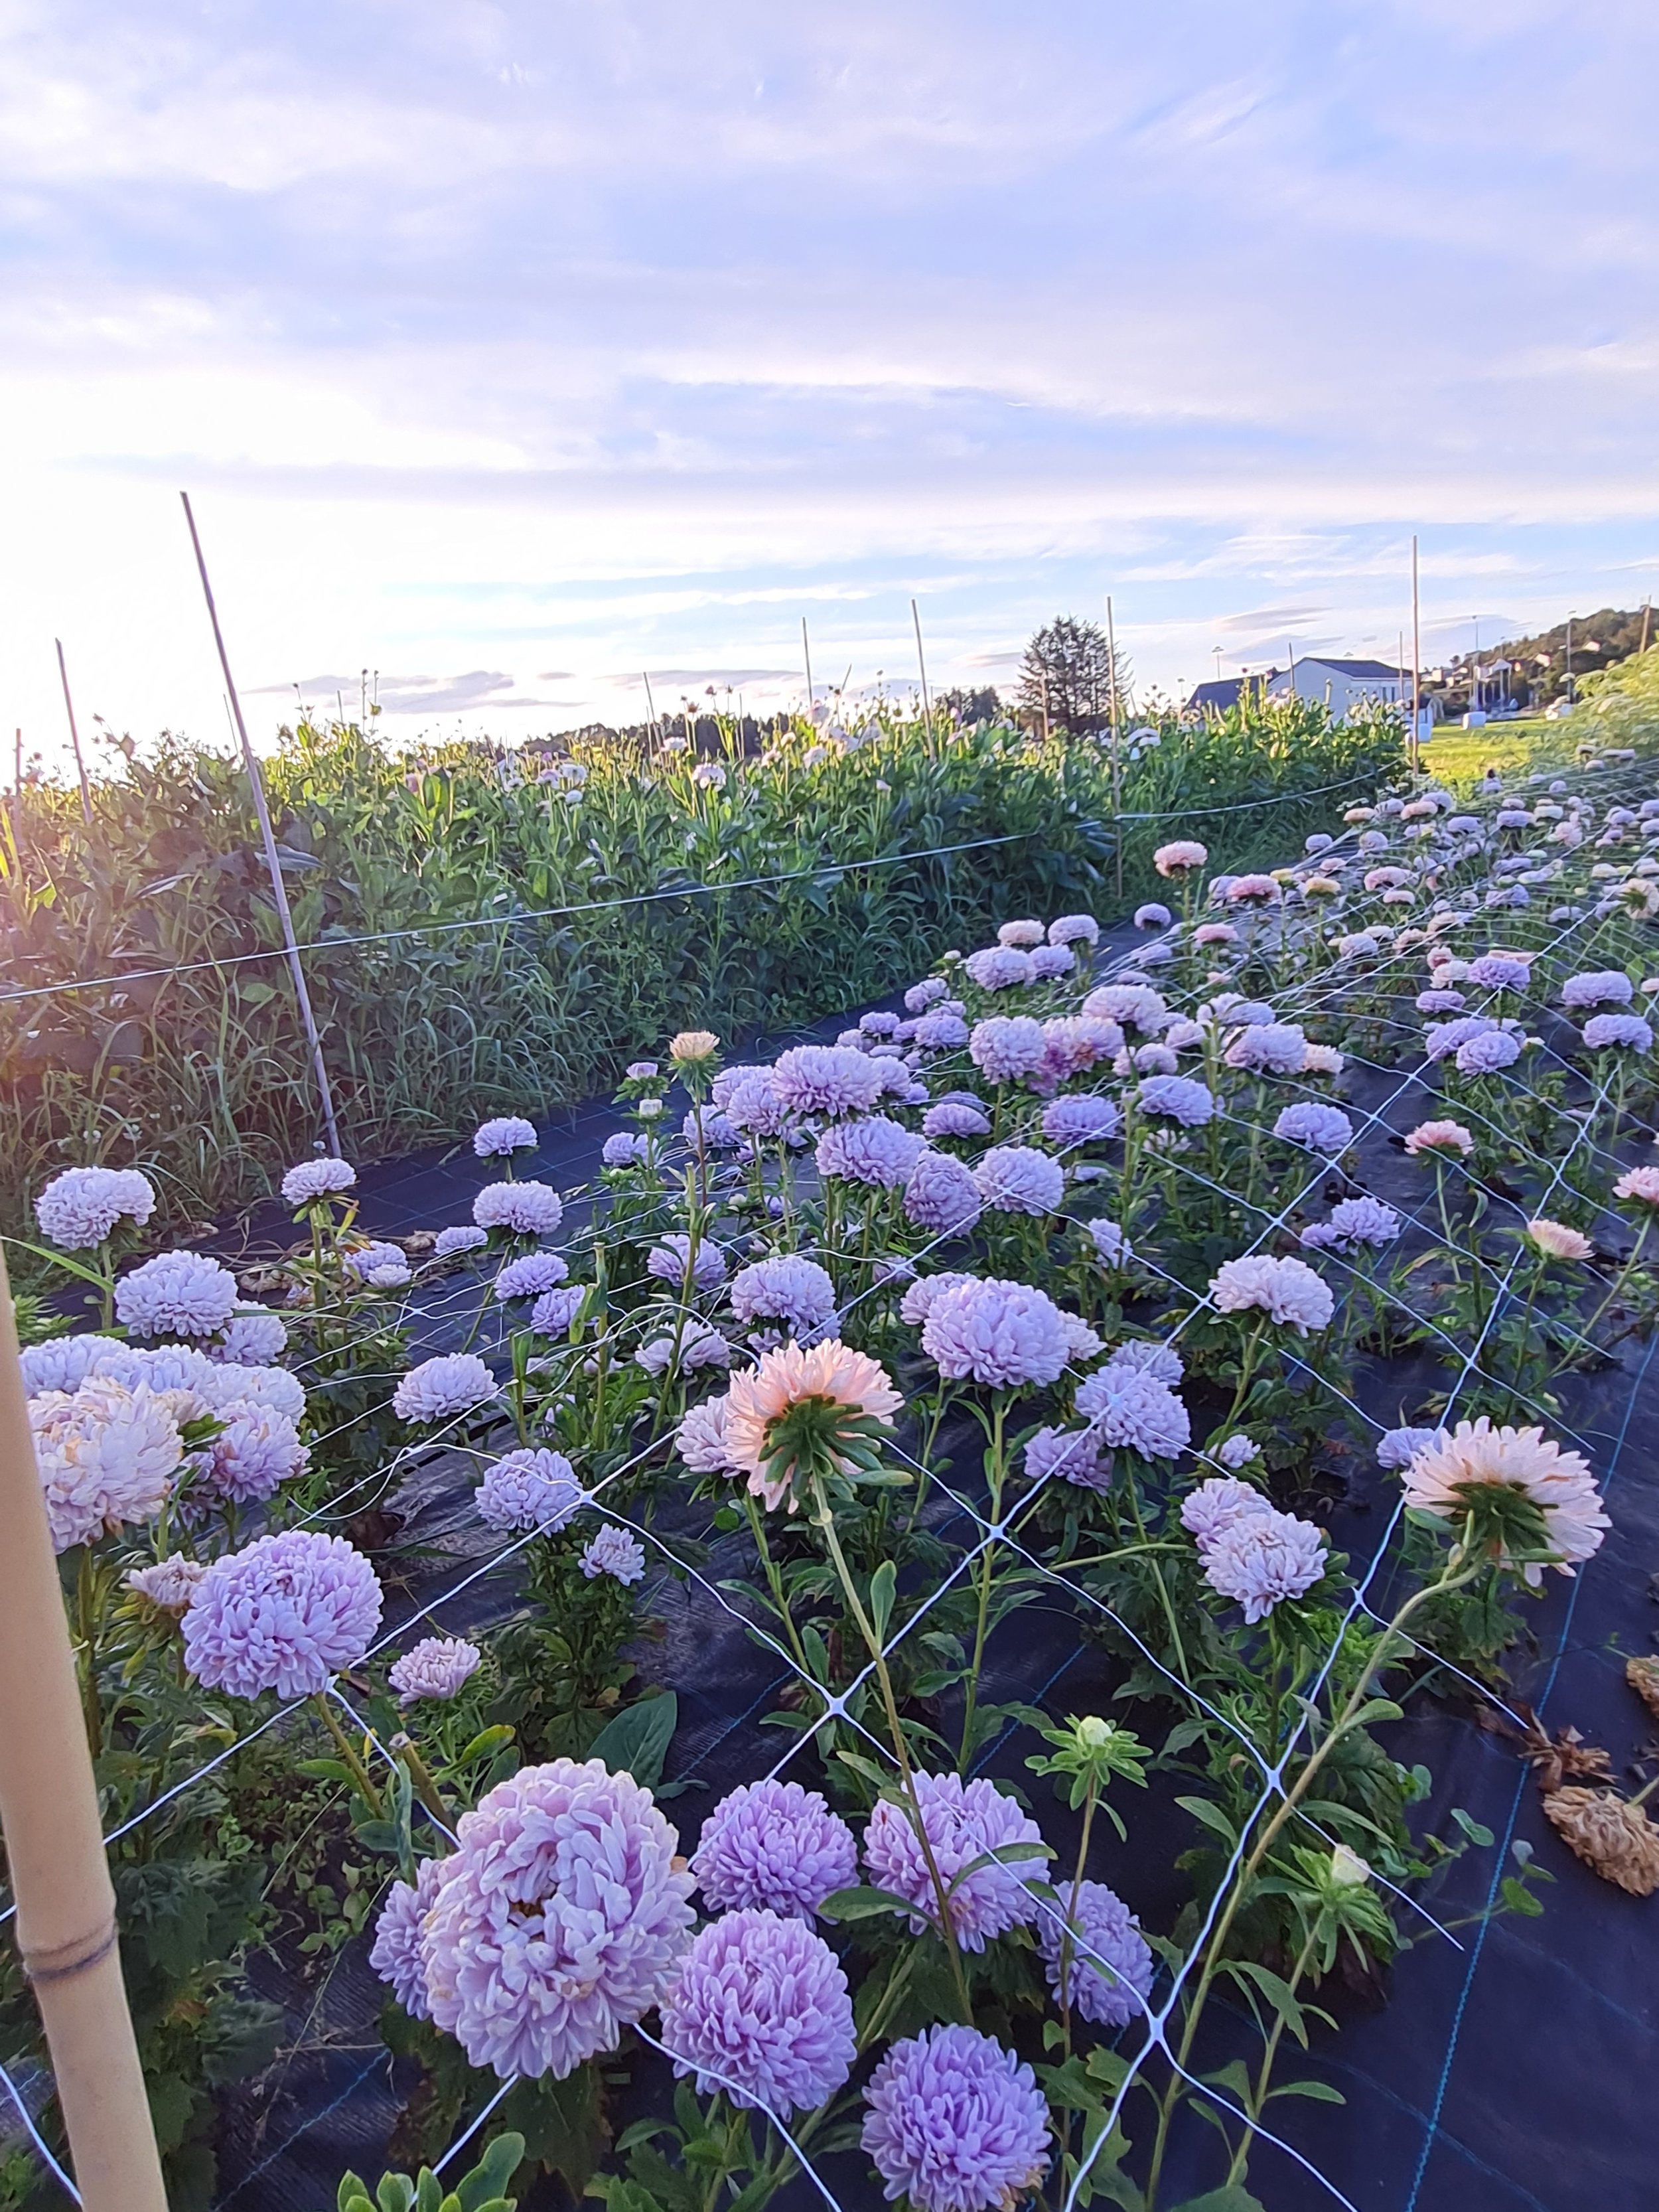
(1629,1032)
(1262,1559)
(1499,1049)
(528,1490)
(761,2010)
(1269,1049)
(1176,1098)
(1132,1006)
(1602,986)
(666,1261)
(255,1452)
(554,1311)
(1080,1120)
(382,1266)
(286,1614)
(1007,1047)
(438,1389)
(956,2123)
(919,1300)
(560,1920)
(828,1079)
(250,1339)
(1132,1411)
(177,1294)
(624,1150)
(785,1288)
(1237,1451)
(941,1193)
(105,1456)
(998,967)
(1439,1002)
(756,1109)
(1153,915)
(920,996)
(1499,971)
(878,1023)
(613,1551)
(506,1135)
(314,1179)
(1049,962)
(1077,1455)
(1112,1247)
(1108,1974)
(1074,929)
(875,1151)
(774,1845)
(1220,1503)
(1143,1355)
(81,1207)
(1287,1291)
(1006,1335)
(1020,1179)
(951,1118)
(941,1031)
(1397,1448)
(398,1957)
(1322,1128)
(450,1244)
(964,1820)
(436,1667)
(1362,1220)
(529,1277)
(527,1209)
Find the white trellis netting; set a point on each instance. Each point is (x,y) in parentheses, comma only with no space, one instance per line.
(1338,947)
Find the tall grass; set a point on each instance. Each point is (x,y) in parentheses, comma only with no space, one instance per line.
(200,1075)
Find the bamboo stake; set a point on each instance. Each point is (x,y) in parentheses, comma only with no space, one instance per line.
(921,662)
(1117,786)
(1416,665)
(806,655)
(66,1930)
(75,735)
(273,864)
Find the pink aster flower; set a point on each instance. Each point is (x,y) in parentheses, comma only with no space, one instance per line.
(1440,1137)
(846,1390)
(1446,1477)
(1178,859)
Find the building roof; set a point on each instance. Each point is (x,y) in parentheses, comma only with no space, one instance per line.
(1216,698)
(1351,667)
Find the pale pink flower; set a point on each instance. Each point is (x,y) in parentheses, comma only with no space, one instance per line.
(1174,859)
(1440,1478)
(1440,1137)
(787,1377)
(1557,1241)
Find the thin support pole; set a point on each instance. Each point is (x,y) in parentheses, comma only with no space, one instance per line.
(1117,773)
(1647,622)
(1416,665)
(66,1931)
(806,655)
(273,864)
(921,662)
(651,707)
(75,735)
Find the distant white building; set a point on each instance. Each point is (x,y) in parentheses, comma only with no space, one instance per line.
(1340,684)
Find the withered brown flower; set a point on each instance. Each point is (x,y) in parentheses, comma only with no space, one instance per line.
(1616,1839)
(1643,1675)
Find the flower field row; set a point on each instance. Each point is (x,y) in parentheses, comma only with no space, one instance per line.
(1096,1398)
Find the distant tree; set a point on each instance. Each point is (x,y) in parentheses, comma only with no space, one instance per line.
(1065,677)
(981,704)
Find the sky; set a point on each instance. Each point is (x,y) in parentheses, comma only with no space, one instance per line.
(519,352)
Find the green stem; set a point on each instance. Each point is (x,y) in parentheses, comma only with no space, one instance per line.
(996,1474)
(348,1752)
(1236,2171)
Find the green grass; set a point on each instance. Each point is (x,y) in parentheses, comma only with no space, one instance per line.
(1459,757)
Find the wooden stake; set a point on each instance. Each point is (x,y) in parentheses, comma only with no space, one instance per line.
(806,654)
(273,864)
(1117,786)
(1417,665)
(921,659)
(75,735)
(66,1932)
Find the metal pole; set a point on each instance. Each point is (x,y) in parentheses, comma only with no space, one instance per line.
(66,1931)
(1117,785)
(921,657)
(651,704)
(806,654)
(1417,667)
(75,735)
(274,867)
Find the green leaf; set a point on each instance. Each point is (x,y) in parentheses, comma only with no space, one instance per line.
(636,1742)
(1210,1815)
(1518,1898)
(883,1588)
(1321,2092)
(1233,2198)
(860,1902)
(489,2177)
(1477,1834)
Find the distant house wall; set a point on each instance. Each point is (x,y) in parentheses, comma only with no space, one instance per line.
(1320,680)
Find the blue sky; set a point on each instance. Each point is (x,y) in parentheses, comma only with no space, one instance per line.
(513,350)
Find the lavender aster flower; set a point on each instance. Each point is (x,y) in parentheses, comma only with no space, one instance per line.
(666,1261)
(507,1135)
(1269,1049)
(168,1584)
(920,996)
(82,1206)
(554,1311)
(951,1118)
(1080,1120)
(1049,962)
(613,1551)
(1153,915)
(560,1920)
(1498,1048)
(1112,1247)
(1628,1032)
(1144,1356)
(64,1363)
(1438,1002)
(286,1614)
(1007,1047)
(942,1031)
(178,1293)
(761,2010)
(1237,1451)
(1109,1974)
(1020,1179)
(1322,1128)
(1603,986)
(527,1209)
(1441,1039)
(1397,1448)
(382,1266)
(436,1667)
(1021,934)
(1362,1220)
(941,1193)
(756,1109)
(998,967)
(624,1150)
(255,1451)
(398,1957)
(1287,1291)
(1176,1098)
(311,1181)
(1133,1005)
(528,1490)
(918,1301)
(450,1244)
(964,1820)
(1264,1558)
(775,1845)
(529,1277)
(436,1390)
(1133,1412)
(250,1339)
(1499,971)
(1006,1335)
(224,1386)
(956,2123)
(1218,1505)
(828,1079)
(785,1288)
(702,1438)
(875,1151)
(1077,1455)
(1074,929)
(699,1346)
(106,1455)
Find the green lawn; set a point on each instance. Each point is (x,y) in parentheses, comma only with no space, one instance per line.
(1459,757)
